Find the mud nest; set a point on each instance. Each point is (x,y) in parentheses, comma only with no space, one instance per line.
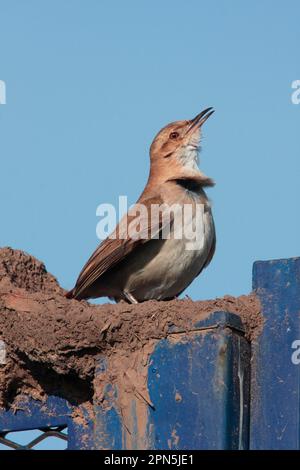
(53,344)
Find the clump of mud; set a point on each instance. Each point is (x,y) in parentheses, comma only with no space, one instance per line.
(18,269)
(54,344)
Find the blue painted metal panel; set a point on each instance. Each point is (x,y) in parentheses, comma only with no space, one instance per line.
(81,434)
(108,429)
(275,396)
(56,411)
(199,386)
(33,414)
(200,390)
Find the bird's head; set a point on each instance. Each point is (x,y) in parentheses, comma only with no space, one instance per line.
(178,143)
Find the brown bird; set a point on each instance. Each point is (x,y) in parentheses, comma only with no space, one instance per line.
(149,266)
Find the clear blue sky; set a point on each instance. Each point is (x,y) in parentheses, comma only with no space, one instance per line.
(89,83)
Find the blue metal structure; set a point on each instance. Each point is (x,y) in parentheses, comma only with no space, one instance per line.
(51,418)
(210,388)
(275,392)
(199,386)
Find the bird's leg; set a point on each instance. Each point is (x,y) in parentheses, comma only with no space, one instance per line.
(130,297)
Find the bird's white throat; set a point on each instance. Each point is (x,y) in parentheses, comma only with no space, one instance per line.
(189,153)
(189,156)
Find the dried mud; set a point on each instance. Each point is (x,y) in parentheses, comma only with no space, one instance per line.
(54,345)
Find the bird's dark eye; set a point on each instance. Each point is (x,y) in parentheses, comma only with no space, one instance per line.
(174,135)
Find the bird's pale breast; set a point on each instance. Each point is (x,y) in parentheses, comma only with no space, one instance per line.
(164,268)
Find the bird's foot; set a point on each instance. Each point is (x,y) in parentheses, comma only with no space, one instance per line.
(130,297)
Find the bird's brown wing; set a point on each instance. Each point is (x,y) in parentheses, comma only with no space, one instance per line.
(113,250)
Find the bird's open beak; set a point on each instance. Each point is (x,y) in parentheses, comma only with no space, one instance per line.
(200,119)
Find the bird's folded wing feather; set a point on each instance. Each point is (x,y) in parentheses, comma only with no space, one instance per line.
(120,244)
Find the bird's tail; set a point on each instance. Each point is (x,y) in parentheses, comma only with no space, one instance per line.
(70,294)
